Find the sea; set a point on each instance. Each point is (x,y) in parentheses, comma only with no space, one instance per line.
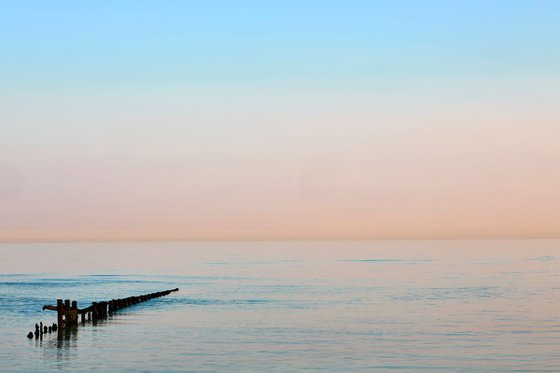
(287,306)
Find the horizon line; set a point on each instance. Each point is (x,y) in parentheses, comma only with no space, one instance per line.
(278,239)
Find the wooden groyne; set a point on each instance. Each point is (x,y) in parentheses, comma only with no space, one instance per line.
(68,312)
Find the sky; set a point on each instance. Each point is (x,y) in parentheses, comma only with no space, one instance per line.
(307,119)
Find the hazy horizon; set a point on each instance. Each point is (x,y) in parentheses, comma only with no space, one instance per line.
(165,120)
(67,238)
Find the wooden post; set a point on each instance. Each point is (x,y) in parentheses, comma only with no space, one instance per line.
(66,309)
(67,319)
(60,311)
(73,314)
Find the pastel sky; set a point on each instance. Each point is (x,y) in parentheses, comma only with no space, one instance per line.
(141,120)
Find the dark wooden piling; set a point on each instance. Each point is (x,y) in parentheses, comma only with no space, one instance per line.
(72,315)
(94,313)
(60,312)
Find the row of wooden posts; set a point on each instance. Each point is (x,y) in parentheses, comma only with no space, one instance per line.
(68,312)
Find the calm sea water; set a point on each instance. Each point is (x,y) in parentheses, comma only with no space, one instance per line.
(398,306)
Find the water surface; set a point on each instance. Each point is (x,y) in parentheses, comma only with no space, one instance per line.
(340,306)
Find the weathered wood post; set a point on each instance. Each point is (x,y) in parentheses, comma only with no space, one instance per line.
(94,311)
(66,312)
(66,309)
(60,312)
(73,314)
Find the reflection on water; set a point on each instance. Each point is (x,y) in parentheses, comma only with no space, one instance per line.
(458,306)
